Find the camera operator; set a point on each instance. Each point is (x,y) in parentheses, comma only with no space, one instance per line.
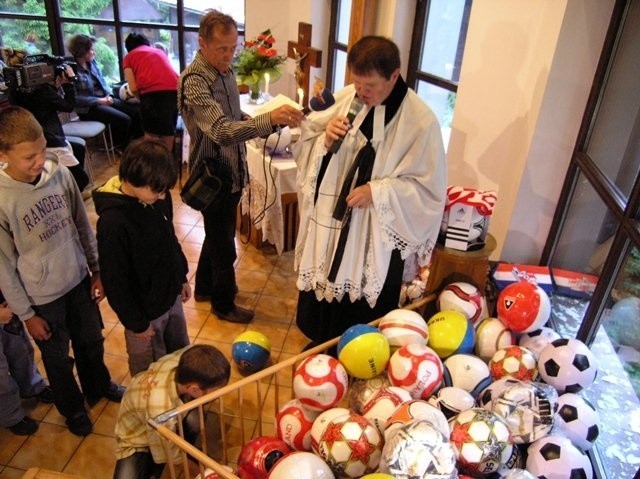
(44,102)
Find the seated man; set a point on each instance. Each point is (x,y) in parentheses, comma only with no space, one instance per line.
(176,378)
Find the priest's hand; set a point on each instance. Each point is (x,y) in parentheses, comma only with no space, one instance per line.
(360,197)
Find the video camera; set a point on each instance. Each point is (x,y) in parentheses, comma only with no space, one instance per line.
(37,70)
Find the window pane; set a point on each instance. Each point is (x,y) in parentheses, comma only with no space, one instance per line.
(102,9)
(193,10)
(148,12)
(440,100)
(29,35)
(615,142)
(443,42)
(165,39)
(105,47)
(35,7)
(344,20)
(340,70)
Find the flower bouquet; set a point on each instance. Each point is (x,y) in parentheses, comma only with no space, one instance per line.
(257,58)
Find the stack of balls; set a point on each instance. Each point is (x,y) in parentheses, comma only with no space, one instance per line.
(459,395)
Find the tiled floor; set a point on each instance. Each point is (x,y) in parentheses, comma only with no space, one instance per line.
(267,284)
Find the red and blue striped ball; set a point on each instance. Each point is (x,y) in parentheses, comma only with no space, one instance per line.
(251,351)
(364,351)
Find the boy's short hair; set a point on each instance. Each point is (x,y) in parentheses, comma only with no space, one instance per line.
(17,125)
(204,365)
(135,40)
(374,54)
(148,162)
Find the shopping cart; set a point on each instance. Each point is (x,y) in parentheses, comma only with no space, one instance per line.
(236,413)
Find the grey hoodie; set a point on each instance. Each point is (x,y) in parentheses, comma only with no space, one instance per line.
(47,245)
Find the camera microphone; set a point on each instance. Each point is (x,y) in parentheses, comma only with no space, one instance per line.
(354,109)
(319,102)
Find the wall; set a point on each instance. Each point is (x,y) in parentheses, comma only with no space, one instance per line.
(525,79)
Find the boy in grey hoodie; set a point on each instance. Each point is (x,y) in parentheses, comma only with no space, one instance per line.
(49,270)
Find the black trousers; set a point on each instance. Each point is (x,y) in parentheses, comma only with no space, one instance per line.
(215,275)
(74,317)
(124,119)
(324,320)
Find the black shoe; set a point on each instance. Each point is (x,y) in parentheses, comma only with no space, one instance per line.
(46,395)
(25,427)
(236,315)
(113,393)
(80,424)
(201,298)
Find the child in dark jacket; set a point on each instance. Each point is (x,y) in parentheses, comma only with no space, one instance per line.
(144,271)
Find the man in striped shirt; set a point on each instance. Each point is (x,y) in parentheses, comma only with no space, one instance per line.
(209,103)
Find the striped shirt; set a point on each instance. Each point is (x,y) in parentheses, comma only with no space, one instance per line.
(209,103)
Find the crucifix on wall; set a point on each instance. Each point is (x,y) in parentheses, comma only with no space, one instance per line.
(305,57)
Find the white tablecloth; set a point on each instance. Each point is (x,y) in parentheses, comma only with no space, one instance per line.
(269,178)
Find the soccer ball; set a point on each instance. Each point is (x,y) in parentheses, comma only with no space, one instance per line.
(416,368)
(251,351)
(320,382)
(518,474)
(450,332)
(491,335)
(293,425)
(568,365)
(211,474)
(452,401)
(301,464)
(361,390)
(481,441)
(414,410)
(383,403)
(418,450)
(364,351)
(578,420)
(468,372)
(514,361)
(259,455)
(528,410)
(535,341)
(464,298)
(523,307)
(402,327)
(493,390)
(351,445)
(125,94)
(554,457)
(321,423)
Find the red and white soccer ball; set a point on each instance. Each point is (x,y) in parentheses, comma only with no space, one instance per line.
(320,382)
(468,372)
(514,361)
(402,327)
(378,409)
(491,335)
(577,419)
(416,368)
(293,425)
(452,401)
(351,445)
(464,298)
(414,410)
(554,457)
(418,450)
(361,390)
(259,455)
(321,423)
(523,307)
(535,341)
(568,365)
(301,464)
(481,440)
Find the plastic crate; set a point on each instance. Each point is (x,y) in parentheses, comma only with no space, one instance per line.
(238,412)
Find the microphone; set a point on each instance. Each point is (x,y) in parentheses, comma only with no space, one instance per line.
(354,109)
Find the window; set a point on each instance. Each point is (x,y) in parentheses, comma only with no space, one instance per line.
(437,49)
(338,44)
(596,231)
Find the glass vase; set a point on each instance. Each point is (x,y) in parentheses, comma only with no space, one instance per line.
(255,94)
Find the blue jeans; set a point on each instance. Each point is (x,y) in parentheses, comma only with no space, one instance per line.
(74,317)
(170,335)
(19,376)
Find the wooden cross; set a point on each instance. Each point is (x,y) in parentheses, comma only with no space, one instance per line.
(305,57)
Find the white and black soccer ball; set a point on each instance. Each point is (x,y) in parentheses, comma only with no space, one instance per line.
(568,365)
(452,401)
(127,95)
(555,457)
(577,419)
(535,341)
(493,390)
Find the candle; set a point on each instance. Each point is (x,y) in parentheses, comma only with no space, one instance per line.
(267,77)
(300,96)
